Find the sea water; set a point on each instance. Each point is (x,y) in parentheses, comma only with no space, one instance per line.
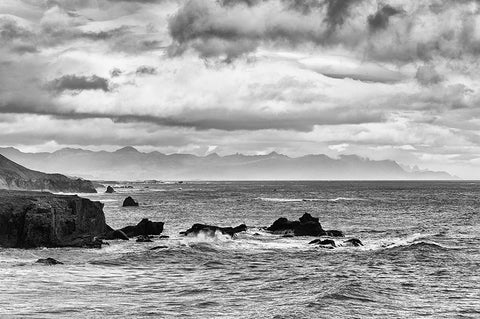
(420,259)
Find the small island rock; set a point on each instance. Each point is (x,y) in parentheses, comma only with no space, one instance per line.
(129,202)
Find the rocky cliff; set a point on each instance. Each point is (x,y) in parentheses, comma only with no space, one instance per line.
(39,219)
(16,177)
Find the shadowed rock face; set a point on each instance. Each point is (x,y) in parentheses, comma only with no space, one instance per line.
(210,230)
(305,226)
(35,219)
(17,177)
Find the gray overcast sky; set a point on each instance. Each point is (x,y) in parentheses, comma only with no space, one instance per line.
(383,79)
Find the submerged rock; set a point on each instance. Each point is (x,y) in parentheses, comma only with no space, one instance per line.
(210,230)
(129,202)
(110,190)
(353,242)
(323,242)
(158,247)
(305,226)
(40,219)
(144,239)
(48,261)
(144,227)
(334,233)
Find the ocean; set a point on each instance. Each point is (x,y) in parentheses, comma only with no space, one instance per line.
(420,259)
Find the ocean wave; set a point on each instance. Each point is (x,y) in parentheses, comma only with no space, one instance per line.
(288,200)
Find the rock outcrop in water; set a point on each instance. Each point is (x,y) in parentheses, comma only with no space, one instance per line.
(16,177)
(49,261)
(110,190)
(129,202)
(40,219)
(305,226)
(144,228)
(210,230)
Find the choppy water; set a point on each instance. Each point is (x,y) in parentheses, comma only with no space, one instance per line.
(421,256)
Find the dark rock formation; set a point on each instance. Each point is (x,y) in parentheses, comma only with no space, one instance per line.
(334,233)
(144,227)
(210,230)
(144,239)
(49,261)
(129,202)
(36,219)
(110,190)
(353,242)
(17,177)
(305,226)
(323,242)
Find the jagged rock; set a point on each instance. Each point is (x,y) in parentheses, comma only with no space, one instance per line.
(334,233)
(48,261)
(323,242)
(110,190)
(36,219)
(128,202)
(305,226)
(210,230)
(143,239)
(16,177)
(144,227)
(353,242)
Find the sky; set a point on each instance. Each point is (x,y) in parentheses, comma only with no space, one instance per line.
(392,79)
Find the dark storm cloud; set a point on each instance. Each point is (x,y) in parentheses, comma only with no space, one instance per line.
(338,11)
(146,70)
(380,19)
(213,118)
(78,83)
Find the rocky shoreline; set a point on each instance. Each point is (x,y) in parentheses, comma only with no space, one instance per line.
(40,219)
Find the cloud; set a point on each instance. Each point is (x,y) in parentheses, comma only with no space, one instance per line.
(146,70)
(78,83)
(427,75)
(380,19)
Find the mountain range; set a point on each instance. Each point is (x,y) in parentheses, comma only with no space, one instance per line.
(128,164)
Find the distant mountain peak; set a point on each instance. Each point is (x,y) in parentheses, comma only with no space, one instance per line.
(127,149)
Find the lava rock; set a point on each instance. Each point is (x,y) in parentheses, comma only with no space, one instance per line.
(129,202)
(210,230)
(144,227)
(110,190)
(305,226)
(49,261)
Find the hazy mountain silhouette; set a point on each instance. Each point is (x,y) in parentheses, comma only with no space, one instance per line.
(15,176)
(129,164)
